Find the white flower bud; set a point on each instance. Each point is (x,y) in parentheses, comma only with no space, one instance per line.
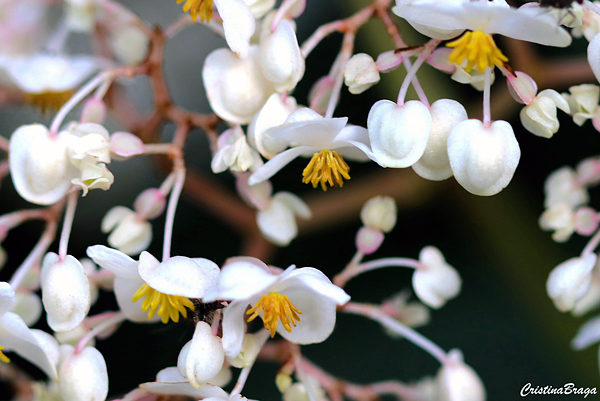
(522,87)
(591,299)
(360,73)
(280,58)
(83,376)
(150,203)
(560,218)
(539,116)
(65,292)
(398,134)
(94,111)
(436,281)
(125,144)
(39,167)
(570,280)
(129,44)
(590,24)
(130,233)
(588,171)
(388,61)
(379,213)
(434,164)
(457,381)
(234,153)
(72,337)
(368,240)
(586,221)
(277,221)
(583,101)
(564,186)
(205,356)
(483,159)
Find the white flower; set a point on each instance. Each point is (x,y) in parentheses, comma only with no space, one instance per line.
(380,213)
(588,334)
(564,186)
(457,381)
(131,233)
(435,282)
(539,116)
(94,176)
(238,24)
(593,54)
(398,134)
(235,87)
(300,304)
(280,58)
(447,19)
(202,357)
(172,282)
(150,203)
(583,103)
(234,153)
(39,165)
(277,220)
(274,113)
(83,376)
(434,164)
(360,73)
(570,280)
(483,159)
(590,24)
(559,218)
(129,44)
(169,381)
(319,137)
(65,292)
(16,336)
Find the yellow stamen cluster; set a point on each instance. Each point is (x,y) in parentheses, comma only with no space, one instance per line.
(3,357)
(479,49)
(170,305)
(275,307)
(48,101)
(195,7)
(326,167)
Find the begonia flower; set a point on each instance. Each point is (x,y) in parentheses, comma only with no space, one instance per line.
(83,376)
(569,281)
(277,219)
(131,232)
(360,73)
(435,282)
(234,153)
(456,381)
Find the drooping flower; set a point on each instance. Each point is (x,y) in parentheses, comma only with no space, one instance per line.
(299,304)
(436,281)
(569,281)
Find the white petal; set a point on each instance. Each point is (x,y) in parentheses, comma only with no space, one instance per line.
(588,334)
(274,113)
(399,134)
(28,306)
(125,144)
(185,389)
(305,127)
(593,54)
(233,328)
(39,167)
(437,282)
(277,223)
(457,381)
(181,276)
(242,278)
(83,376)
(294,203)
(483,159)
(570,280)
(434,164)
(270,168)
(205,356)
(114,261)
(318,282)
(124,289)
(132,235)
(7,297)
(238,24)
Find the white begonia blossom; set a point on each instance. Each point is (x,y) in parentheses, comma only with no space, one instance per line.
(316,136)
(65,292)
(412,314)
(434,164)
(564,186)
(360,73)
(16,336)
(39,164)
(569,281)
(175,280)
(456,381)
(583,103)
(202,357)
(380,213)
(447,19)
(590,23)
(83,376)
(131,233)
(279,55)
(593,55)
(234,153)
(169,381)
(588,334)
(235,87)
(435,282)
(94,176)
(559,218)
(539,116)
(300,304)
(483,159)
(521,87)
(277,220)
(274,113)
(238,24)
(398,134)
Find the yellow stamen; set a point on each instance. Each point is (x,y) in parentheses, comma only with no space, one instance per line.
(3,357)
(195,7)
(169,306)
(275,307)
(326,167)
(479,49)
(48,101)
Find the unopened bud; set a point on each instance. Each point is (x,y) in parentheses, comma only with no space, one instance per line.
(379,213)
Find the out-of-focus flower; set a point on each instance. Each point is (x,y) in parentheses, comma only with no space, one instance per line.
(436,281)
(457,381)
(380,213)
(564,186)
(277,220)
(570,280)
(83,376)
(234,153)
(131,233)
(360,73)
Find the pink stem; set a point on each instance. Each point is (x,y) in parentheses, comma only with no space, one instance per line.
(487,112)
(263,336)
(281,13)
(345,54)
(67,224)
(171,207)
(108,323)
(35,255)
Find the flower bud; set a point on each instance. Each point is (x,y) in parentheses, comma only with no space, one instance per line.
(570,280)
(583,101)
(398,134)
(234,153)
(436,281)
(522,87)
(150,203)
(560,218)
(260,7)
(205,356)
(539,116)
(483,159)
(129,44)
(588,171)
(586,221)
(457,381)
(83,376)
(564,186)
(368,240)
(379,213)
(130,233)
(277,221)
(65,292)
(94,111)
(280,58)
(387,62)
(124,144)
(360,73)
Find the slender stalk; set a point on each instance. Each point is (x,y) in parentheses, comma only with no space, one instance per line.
(239,386)
(105,325)
(35,255)
(487,113)
(412,71)
(67,225)
(171,207)
(345,54)
(592,244)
